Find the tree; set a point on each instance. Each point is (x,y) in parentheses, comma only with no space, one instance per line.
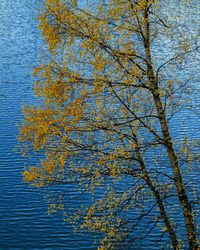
(107,97)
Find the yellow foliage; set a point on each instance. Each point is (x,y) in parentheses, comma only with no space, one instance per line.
(31,175)
(97,117)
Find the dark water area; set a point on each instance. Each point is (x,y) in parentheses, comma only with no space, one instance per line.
(24,222)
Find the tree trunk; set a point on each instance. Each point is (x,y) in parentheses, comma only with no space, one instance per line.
(185,204)
(186,207)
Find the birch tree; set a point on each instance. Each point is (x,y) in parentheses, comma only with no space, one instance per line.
(102,124)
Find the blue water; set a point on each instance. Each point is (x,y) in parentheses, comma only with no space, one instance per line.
(24,222)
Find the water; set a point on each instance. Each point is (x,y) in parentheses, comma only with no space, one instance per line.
(24,223)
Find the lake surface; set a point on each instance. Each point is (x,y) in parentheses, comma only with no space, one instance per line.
(24,223)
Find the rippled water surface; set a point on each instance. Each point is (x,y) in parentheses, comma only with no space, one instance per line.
(24,223)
